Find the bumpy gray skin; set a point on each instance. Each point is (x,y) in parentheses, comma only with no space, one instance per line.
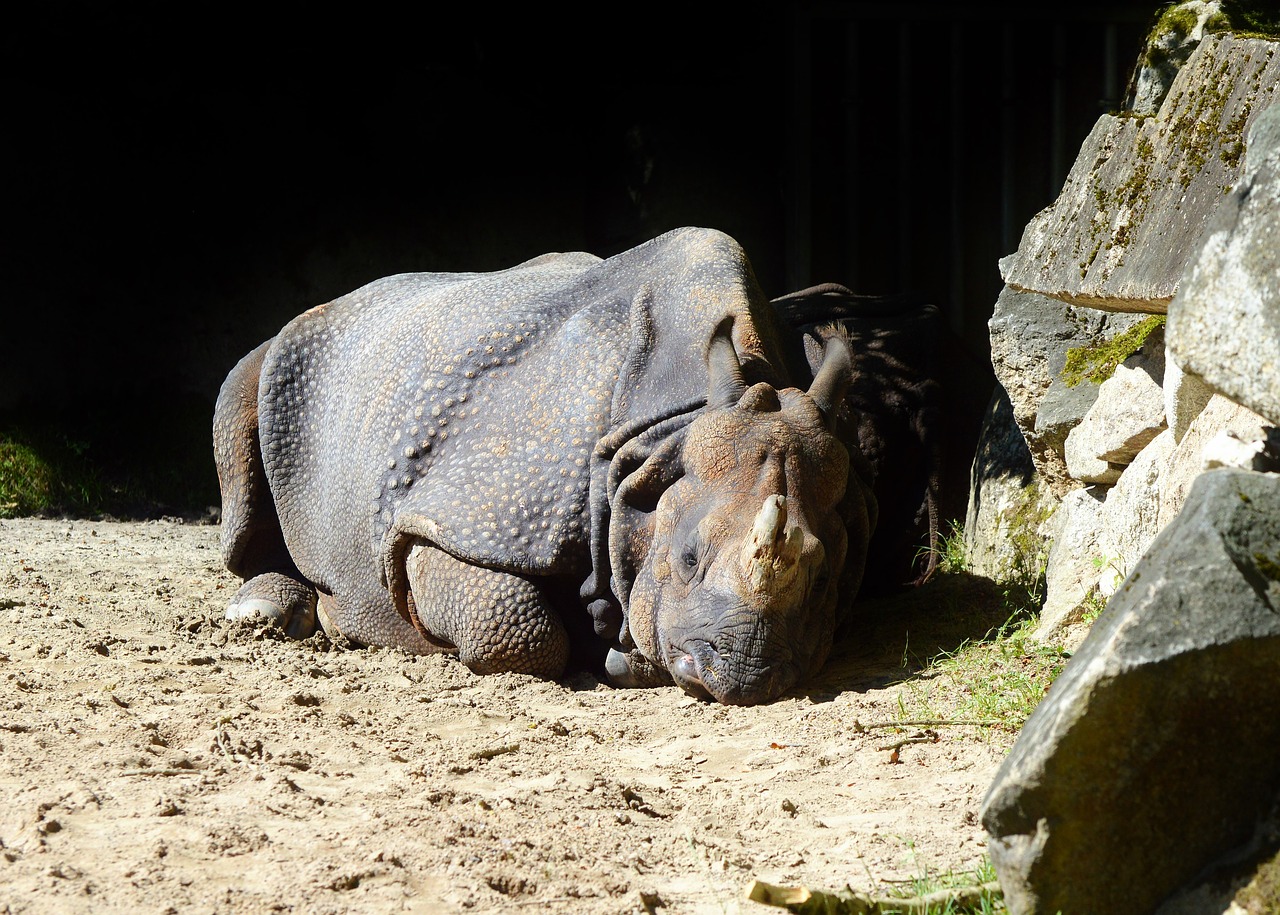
(441,459)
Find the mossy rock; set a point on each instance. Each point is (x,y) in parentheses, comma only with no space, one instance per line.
(1248,18)
(1098,362)
(1263,892)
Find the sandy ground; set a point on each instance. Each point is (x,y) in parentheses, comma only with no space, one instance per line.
(154,758)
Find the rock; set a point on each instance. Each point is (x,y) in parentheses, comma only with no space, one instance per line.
(1184,397)
(1062,408)
(1085,466)
(1246,881)
(1000,491)
(1030,337)
(1229,450)
(1175,36)
(1074,563)
(1128,413)
(1225,322)
(1220,416)
(1155,751)
(1131,516)
(1142,190)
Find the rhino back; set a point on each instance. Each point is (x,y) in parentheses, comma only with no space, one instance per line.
(362,398)
(465,408)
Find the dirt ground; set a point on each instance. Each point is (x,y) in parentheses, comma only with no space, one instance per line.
(154,758)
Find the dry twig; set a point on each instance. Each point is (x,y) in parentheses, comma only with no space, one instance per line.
(804,901)
(860,727)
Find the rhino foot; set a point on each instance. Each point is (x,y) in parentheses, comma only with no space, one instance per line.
(277,599)
(632,670)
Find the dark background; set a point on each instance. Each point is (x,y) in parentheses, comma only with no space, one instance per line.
(181,184)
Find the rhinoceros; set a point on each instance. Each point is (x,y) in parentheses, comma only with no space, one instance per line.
(478,463)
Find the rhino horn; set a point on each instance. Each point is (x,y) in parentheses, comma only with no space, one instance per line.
(726,384)
(771,554)
(834,376)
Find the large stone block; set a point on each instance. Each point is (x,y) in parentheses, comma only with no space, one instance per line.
(1185,396)
(1220,417)
(1155,751)
(1130,518)
(1142,190)
(1030,337)
(1074,564)
(1128,413)
(1062,408)
(1102,534)
(1001,495)
(1224,326)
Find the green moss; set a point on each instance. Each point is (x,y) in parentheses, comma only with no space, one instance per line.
(1131,199)
(1248,19)
(1244,18)
(1024,523)
(1098,362)
(1136,191)
(1206,128)
(1217,22)
(1178,20)
(1233,148)
(1088,261)
(1262,894)
(1267,566)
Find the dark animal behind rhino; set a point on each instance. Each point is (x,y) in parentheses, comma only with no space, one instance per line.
(466,462)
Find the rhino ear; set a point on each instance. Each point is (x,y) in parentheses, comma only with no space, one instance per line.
(725,385)
(834,376)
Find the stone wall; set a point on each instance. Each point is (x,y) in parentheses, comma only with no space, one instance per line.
(1137,345)
(1164,217)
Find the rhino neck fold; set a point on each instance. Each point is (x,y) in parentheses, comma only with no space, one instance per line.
(630,468)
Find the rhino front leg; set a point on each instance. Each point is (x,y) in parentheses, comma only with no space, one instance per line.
(274,596)
(498,621)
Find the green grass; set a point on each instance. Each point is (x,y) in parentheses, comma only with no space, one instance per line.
(999,676)
(26,481)
(59,469)
(948,893)
(928,884)
(950,550)
(44,474)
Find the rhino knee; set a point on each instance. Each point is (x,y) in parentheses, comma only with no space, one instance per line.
(497,621)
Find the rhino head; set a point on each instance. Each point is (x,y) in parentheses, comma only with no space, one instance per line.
(736,588)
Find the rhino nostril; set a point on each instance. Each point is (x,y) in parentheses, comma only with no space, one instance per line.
(685,672)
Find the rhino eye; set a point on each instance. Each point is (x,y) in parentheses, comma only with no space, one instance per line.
(690,560)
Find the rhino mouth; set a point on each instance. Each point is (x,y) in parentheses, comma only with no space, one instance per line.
(704,673)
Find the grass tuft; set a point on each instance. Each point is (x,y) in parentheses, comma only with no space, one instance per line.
(46,472)
(999,678)
(938,884)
